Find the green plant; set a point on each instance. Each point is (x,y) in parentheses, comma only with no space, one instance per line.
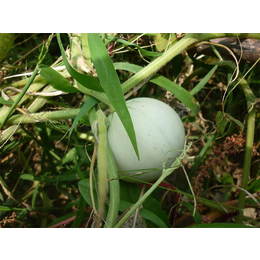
(57,167)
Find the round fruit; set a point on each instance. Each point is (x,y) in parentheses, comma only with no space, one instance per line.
(160,138)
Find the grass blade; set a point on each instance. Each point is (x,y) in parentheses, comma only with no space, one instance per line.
(84,79)
(182,94)
(56,80)
(90,102)
(144,52)
(204,81)
(111,84)
(220,225)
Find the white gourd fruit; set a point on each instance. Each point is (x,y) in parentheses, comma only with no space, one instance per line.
(160,138)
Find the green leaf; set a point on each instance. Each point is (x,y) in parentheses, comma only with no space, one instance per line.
(182,94)
(220,225)
(235,121)
(5,102)
(56,80)
(227,179)
(61,219)
(254,187)
(145,213)
(129,194)
(162,40)
(80,213)
(221,122)
(84,189)
(85,80)
(111,85)
(204,81)
(50,179)
(90,102)
(144,52)
(6,208)
(197,217)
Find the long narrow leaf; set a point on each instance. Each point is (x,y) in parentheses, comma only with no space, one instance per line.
(85,80)
(182,94)
(111,84)
(144,52)
(203,82)
(56,80)
(220,225)
(83,111)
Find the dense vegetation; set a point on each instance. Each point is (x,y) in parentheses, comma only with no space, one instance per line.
(53,90)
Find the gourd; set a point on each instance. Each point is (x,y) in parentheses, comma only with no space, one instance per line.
(160,139)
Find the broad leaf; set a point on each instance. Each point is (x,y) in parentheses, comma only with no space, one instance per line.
(84,189)
(221,122)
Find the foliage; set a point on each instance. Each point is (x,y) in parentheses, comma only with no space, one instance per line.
(56,167)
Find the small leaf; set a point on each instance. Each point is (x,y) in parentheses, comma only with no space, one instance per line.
(221,122)
(62,218)
(5,102)
(111,84)
(254,187)
(90,102)
(197,217)
(144,52)
(85,80)
(204,81)
(235,121)
(56,80)
(84,189)
(162,40)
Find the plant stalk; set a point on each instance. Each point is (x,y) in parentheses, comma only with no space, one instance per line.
(29,82)
(114,191)
(247,163)
(43,116)
(187,41)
